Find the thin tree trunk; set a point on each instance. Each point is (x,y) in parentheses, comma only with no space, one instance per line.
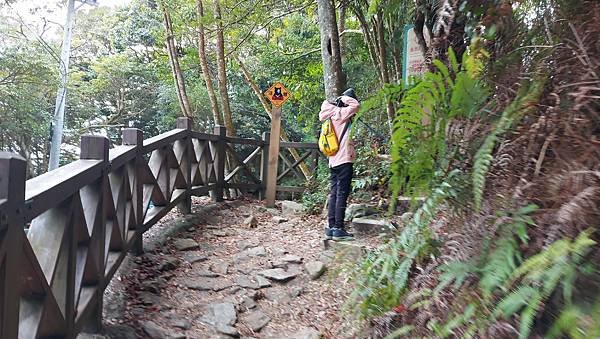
(222,74)
(284,137)
(397,64)
(396,55)
(334,77)
(369,41)
(214,104)
(385,75)
(178,77)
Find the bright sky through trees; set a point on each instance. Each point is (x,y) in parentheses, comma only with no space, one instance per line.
(34,13)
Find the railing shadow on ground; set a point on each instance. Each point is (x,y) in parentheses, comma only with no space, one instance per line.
(64,234)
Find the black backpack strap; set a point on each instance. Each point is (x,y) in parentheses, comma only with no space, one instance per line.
(345,129)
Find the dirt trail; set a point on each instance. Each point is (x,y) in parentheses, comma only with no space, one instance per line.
(208,281)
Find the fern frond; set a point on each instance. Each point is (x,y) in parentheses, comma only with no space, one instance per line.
(568,322)
(515,301)
(455,272)
(418,149)
(528,315)
(500,265)
(447,329)
(540,275)
(526,99)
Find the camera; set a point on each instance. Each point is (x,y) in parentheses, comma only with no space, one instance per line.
(339,102)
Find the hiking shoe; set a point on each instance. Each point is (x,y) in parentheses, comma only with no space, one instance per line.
(328,233)
(339,234)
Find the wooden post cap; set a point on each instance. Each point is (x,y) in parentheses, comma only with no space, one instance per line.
(185,123)
(132,137)
(12,176)
(94,147)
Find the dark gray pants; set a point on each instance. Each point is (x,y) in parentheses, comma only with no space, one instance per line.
(340,177)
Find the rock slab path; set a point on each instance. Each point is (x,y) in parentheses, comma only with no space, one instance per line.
(238,271)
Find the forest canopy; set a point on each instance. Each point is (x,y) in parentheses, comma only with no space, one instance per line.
(120,74)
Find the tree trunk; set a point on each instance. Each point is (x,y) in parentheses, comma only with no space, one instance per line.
(385,75)
(341,28)
(248,77)
(369,40)
(222,74)
(334,78)
(396,54)
(61,96)
(184,102)
(214,104)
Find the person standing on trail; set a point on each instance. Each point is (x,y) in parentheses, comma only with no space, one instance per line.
(341,163)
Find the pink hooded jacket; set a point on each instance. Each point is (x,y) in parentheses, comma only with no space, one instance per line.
(339,117)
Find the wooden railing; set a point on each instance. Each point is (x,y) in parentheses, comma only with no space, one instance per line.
(64,234)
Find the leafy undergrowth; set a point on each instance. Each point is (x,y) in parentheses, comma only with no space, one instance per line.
(506,244)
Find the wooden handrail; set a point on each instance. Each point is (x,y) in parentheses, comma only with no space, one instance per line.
(305,145)
(48,189)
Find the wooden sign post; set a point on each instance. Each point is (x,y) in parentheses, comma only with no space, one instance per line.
(273,157)
(277,94)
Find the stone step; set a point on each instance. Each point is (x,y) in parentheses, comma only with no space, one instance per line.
(349,250)
(372,226)
(359,210)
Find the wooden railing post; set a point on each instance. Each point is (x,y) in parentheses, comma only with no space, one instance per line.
(135,137)
(264,164)
(220,154)
(185,206)
(94,147)
(12,189)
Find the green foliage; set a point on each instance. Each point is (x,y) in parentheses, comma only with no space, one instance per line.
(370,171)
(382,277)
(317,189)
(447,329)
(527,96)
(506,256)
(455,273)
(523,287)
(419,139)
(538,277)
(577,322)
(496,264)
(27,86)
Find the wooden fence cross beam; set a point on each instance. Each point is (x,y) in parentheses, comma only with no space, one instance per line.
(294,165)
(242,164)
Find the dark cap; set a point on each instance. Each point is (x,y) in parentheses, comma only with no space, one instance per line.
(350,93)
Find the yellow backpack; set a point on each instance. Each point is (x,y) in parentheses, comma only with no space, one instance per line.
(328,141)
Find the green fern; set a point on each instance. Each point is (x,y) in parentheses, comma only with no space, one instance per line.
(539,276)
(496,266)
(419,151)
(577,323)
(500,263)
(455,273)
(447,329)
(526,99)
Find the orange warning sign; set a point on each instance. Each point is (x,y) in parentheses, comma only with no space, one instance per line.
(277,94)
